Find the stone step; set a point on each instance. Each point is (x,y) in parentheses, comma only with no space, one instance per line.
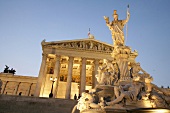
(23,104)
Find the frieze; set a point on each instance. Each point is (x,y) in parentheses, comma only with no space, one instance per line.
(89,45)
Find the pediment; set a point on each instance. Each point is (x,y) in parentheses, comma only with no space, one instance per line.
(81,44)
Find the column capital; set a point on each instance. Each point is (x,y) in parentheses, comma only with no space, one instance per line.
(57,57)
(71,58)
(83,57)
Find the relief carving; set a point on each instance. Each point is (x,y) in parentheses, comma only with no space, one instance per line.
(83,45)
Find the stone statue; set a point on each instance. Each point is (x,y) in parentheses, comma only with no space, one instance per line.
(129,92)
(116,27)
(43,42)
(135,71)
(86,102)
(159,97)
(116,89)
(102,102)
(106,73)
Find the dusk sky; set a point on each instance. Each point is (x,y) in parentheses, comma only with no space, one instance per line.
(25,23)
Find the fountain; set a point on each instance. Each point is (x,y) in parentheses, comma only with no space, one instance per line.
(123,86)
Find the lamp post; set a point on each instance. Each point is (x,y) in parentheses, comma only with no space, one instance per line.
(53,80)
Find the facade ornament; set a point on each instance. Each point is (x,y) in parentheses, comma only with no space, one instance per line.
(88,45)
(91,36)
(43,42)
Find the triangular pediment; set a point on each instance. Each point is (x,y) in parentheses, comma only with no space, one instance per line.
(80,44)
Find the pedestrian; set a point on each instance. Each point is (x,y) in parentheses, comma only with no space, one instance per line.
(75,97)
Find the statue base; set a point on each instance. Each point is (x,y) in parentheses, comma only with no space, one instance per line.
(105,91)
(140,110)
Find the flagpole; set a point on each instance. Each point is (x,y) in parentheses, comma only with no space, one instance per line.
(89,32)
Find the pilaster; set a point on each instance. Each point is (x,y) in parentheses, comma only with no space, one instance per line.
(28,92)
(5,84)
(16,88)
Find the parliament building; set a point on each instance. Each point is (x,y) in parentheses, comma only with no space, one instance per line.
(68,67)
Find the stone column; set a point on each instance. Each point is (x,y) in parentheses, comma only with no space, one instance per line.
(69,78)
(41,76)
(16,88)
(56,74)
(5,84)
(94,80)
(28,92)
(83,76)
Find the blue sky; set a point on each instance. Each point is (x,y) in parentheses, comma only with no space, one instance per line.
(25,23)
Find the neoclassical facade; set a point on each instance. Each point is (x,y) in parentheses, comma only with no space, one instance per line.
(17,84)
(74,63)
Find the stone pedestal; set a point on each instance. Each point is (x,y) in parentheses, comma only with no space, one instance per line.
(121,56)
(105,91)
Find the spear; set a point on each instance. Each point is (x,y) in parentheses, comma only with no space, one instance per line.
(127,23)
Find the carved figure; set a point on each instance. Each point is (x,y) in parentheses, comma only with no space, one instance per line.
(129,91)
(6,70)
(99,47)
(43,42)
(102,102)
(106,73)
(160,97)
(116,27)
(135,71)
(12,71)
(91,45)
(86,102)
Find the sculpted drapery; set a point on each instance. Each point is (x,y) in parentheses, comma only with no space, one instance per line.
(116,27)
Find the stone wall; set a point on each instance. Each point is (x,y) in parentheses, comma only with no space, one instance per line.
(23,104)
(16,84)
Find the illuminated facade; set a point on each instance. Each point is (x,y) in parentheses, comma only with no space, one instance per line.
(73,62)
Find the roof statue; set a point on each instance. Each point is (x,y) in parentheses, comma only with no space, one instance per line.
(122,84)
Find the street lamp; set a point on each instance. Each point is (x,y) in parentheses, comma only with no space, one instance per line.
(53,80)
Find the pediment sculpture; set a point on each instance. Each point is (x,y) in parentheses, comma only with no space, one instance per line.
(88,45)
